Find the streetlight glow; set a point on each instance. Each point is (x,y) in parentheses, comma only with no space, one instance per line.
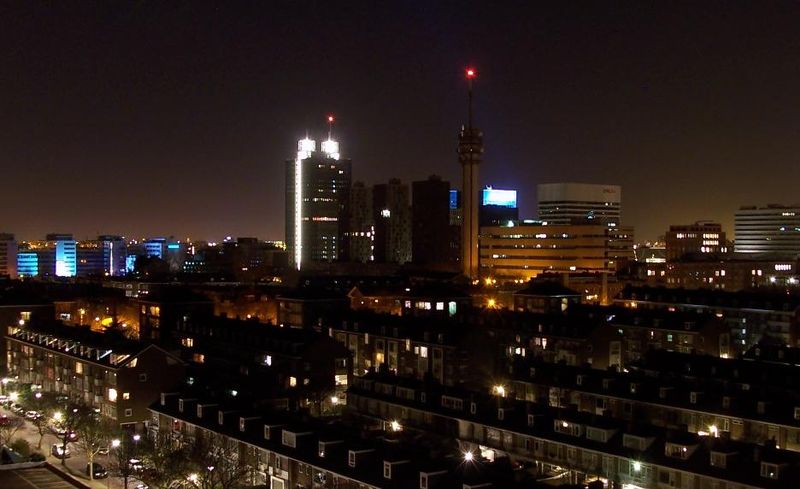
(115,443)
(468,457)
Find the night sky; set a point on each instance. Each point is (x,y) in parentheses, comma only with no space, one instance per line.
(175,118)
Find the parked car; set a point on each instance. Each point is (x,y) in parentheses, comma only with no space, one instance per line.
(136,464)
(59,452)
(60,433)
(17,408)
(98,471)
(33,414)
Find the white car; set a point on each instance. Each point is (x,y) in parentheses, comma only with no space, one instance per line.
(59,452)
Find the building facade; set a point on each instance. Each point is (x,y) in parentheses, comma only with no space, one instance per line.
(702,237)
(530,248)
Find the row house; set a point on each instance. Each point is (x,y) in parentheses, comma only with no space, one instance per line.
(750,316)
(119,378)
(577,447)
(449,352)
(309,364)
(733,399)
(282,451)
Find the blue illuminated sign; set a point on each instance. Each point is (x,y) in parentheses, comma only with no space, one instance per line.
(498,197)
(173,246)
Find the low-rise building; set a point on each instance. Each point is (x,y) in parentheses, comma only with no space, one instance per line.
(575,446)
(119,377)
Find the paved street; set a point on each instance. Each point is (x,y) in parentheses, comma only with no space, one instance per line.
(75,464)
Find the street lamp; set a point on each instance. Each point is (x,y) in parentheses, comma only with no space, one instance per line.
(14,396)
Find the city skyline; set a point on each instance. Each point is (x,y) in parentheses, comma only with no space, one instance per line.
(116,124)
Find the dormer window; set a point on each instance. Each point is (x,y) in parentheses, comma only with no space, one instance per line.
(606,384)
(351,458)
(769,471)
(761,407)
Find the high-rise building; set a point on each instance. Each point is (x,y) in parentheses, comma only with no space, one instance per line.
(527,249)
(8,255)
(771,229)
(498,207)
(470,155)
(576,203)
(392,217)
(358,239)
(430,221)
(694,239)
(317,192)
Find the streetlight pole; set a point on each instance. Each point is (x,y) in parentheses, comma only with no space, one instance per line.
(114,444)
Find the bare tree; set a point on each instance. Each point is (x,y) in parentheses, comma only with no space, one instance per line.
(218,463)
(165,461)
(94,434)
(10,428)
(44,404)
(122,451)
(67,423)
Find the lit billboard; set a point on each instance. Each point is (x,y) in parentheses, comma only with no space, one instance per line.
(498,197)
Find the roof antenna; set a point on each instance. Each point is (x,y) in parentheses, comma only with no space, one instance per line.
(330,126)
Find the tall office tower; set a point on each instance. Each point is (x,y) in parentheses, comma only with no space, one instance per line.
(576,203)
(694,239)
(470,155)
(498,207)
(392,216)
(114,253)
(358,239)
(430,221)
(8,255)
(317,191)
(771,229)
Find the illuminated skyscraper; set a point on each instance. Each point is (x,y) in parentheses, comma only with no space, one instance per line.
(317,191)
(470,155)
